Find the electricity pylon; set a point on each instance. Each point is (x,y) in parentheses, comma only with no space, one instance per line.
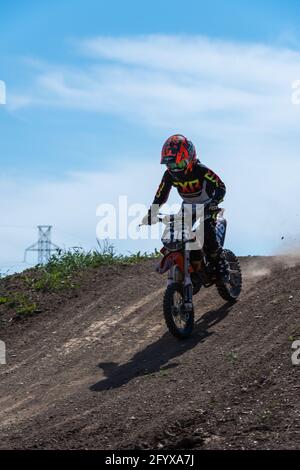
(43,246)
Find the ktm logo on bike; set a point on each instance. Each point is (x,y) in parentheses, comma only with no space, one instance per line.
(188,186)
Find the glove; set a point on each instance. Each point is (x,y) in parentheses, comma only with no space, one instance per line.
(150,218)
(213,206)
(146,220)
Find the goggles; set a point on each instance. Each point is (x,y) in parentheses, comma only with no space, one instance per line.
(177,166)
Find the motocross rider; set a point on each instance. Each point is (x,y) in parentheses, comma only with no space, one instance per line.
(197,184)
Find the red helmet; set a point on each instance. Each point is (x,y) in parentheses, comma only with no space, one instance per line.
(179,154)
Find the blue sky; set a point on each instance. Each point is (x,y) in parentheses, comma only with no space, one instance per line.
(92,92)
(44,30)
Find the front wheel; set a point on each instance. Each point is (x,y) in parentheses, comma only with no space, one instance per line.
(231,290)
(179,321)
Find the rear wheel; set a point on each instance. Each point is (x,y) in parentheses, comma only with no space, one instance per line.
(179,321)
(231,290)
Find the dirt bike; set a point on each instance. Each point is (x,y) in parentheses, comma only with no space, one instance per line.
(184,281)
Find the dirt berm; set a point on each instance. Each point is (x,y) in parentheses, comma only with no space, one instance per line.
(97,369)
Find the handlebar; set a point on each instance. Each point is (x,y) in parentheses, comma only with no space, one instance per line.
(161,216)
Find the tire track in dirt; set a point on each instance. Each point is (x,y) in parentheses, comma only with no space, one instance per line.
(99,328)
(111,320)
(115,373)
(91,335)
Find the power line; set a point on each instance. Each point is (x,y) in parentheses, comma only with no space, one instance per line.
(14,263)
(8,268)
(31,227)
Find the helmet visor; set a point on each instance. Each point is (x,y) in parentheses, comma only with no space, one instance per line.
(180,166)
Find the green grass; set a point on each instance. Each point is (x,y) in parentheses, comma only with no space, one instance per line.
(27,308)
(232,356)
(61,270)
(162,373)
(293,336)
(21,303)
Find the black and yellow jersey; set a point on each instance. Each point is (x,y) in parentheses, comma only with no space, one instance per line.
(198,186)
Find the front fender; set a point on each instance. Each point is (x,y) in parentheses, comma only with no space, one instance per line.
(170,260)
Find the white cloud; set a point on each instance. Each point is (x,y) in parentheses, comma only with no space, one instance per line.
(16,101)
(170,81)
(261,206)
(69,205)
(234,98)
(198,56)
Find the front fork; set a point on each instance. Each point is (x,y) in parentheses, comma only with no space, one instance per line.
(188,287)
(176,276)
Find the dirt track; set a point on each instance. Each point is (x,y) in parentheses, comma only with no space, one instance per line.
(98,370)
